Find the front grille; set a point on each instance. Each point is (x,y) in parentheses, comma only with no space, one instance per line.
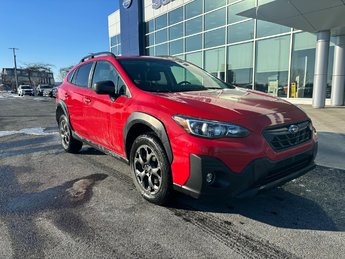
(286,167)
(283,137)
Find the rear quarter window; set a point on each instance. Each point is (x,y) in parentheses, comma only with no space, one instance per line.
(70,76)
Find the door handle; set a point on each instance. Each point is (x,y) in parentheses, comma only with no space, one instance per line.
(66,95)
(87,100)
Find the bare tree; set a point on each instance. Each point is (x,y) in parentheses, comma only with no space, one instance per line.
(38,73)
(63,72)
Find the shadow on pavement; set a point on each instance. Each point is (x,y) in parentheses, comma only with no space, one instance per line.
(20,211)
(277,207)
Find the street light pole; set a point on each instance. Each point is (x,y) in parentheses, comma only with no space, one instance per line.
(15,67)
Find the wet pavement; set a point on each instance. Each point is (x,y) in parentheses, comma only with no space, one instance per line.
(59,205)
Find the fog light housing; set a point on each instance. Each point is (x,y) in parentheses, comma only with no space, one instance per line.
(210,178)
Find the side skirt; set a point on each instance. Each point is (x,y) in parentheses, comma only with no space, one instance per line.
(100,148)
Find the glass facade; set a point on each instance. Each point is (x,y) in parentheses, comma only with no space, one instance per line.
(115,44)
(246,52)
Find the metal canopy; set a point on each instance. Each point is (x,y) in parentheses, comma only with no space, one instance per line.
(306,15)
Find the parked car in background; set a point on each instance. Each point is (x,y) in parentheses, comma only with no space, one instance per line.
(25,90)
(44,90)
(54,91)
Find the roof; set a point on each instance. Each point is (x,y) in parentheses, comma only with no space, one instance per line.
(306,15)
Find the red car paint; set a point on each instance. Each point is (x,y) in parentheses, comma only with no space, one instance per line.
(102,120)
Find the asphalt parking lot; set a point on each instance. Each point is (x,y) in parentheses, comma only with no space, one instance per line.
(59,205)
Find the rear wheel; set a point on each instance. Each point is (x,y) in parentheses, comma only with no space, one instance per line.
(69,143)
(151,169)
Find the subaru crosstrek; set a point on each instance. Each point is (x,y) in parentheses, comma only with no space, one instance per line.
(181,128)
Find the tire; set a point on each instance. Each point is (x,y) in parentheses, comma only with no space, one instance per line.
(69,143)
(151,175)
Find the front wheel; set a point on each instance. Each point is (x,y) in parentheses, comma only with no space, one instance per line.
(151,169)
(69,143)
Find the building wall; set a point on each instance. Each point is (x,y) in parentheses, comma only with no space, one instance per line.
(246,52)
(114,29)
(34,79)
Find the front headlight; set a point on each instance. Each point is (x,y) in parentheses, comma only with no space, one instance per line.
(210,129)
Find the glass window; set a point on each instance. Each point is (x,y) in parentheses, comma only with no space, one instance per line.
(82,77)
(212,4)
(150,26)
(194,42)
(240,65)
(194,8)
(161,36)
(150,39)
(215,19)
(122,88)
(162,50)
(241,31)
(161,21)
(176,31)
(169,76)
(215,38)
(104,71)
(114,50)
(113,40)
(180,56)
(70,76)
(272,65)
(214,62)
(176,47)
(194,26)
(150,51)
(195,58)
(176,16)
(302,67)
(267,28)
(239,7)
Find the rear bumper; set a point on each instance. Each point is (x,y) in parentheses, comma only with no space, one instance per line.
(260,174)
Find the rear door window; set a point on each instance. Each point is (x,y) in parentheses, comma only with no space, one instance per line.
(82,77)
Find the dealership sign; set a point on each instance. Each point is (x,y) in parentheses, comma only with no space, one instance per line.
(156,4)
(126,3)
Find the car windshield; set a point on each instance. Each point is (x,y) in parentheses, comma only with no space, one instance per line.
(45,86)
(26,87)
(161,75)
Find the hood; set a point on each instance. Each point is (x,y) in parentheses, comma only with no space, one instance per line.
(238,104)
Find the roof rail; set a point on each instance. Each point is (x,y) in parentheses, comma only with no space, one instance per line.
(92,55)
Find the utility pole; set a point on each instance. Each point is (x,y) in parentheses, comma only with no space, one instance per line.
(15,67)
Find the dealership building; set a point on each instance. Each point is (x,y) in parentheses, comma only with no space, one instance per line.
(292,49)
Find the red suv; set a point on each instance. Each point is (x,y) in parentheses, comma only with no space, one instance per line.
(181,128)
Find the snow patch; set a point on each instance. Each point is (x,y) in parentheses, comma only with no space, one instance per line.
(5,95)
(29,131)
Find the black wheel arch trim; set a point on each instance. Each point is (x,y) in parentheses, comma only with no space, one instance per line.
(153,123)
(61,104)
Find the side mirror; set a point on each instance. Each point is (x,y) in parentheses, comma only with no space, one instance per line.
(105,87)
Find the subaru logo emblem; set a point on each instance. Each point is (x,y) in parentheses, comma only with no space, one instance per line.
(293,129)
(126,3)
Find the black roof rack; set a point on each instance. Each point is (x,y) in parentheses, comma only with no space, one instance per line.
(92,55)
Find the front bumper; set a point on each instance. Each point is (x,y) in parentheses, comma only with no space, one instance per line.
(260,174)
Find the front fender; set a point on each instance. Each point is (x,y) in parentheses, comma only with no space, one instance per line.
(153,123)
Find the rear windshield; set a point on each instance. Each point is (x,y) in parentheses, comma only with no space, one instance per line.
(26,87)
(45,86)
(162,75)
